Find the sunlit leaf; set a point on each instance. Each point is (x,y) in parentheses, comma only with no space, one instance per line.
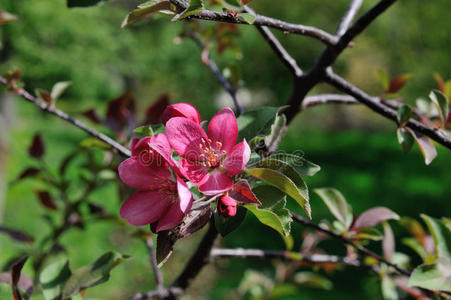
(302,165)
(388,242)
(145,11)
(374,216)
(314,280)
(441,103)
(436,276)
(195,7)
(246,17)
(58,89)
(145,130)
(337,205)
(53,277)
(441,235)
(388,287)
(415,246)
(405,139)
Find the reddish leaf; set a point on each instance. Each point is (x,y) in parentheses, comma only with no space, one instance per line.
(374,216)
(155,110)
(37,148)
(194,223)
(388,243)
(121,113)
(15,276)
(440,82)
(398,82)
(17,235)
(92,115)
(25,283)
(43,95)
(244,2)
(165,245)
(29,172)
(46,200)
(243,194)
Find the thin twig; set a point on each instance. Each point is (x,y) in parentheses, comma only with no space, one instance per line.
(345,240)
(384,110)
(260,20)
(62,115)
(218,74)
(154,264)
(286,255)
(165,292)
(353,8)
(322,99)
(281,52)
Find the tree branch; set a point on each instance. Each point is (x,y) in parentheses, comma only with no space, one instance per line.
(286,255)
(384,110)
(274,43)
(345,22)
(345,240)
(260,20)
(154,264)
(321,99)
(206,59)
(62,115)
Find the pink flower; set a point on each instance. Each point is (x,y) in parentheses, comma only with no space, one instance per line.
(184,110)
(227,206)
(163,198)
(209,159)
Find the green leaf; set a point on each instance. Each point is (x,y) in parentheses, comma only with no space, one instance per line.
(404,114)
(277,130)
(427,148)
(195,7)
(314,280)
(272,212)
(246,17)
(388,287)
(415,246)
(256,122)
(302,165)
(337,205)
(58,89)
(369,233)
(436,276)
(53,277)
(145,130)
(93,274)
(441,235)
(441,103)
(284,177)
(383,79)
(94,143)
(405,139)
(82,3)
(228,225)
(145,11)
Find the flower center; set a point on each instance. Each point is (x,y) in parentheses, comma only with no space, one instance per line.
(165,186)
(211,157)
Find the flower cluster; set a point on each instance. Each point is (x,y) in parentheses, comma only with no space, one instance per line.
(210,160)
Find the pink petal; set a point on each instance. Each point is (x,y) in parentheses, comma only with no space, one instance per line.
(193,171)
(144,207)
(153,150)
(185,136)
(227,206)
(214,183)
(237,159)
(160,144)
(137,175)
(223,128)
(178,209)
(184,110)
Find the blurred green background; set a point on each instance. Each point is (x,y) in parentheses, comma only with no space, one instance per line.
(358,151)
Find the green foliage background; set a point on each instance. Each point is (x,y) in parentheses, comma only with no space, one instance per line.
(357,151)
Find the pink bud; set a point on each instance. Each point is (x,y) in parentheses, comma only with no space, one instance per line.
(227,206)
(184,110)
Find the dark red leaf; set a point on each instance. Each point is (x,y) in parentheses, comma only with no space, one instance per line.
(155,110)
(121,113)
(92,115)
(37,148)
(244,2)
(194,223)
(46,200)
(398,82)
(29,172)
(15,276)
(243,194)
(374,216)
(17,235)
(165,245)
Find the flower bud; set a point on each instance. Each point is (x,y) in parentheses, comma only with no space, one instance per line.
(184,110)
(227,206)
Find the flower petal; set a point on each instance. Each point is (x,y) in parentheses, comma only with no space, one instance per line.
(184,110)
(193,171)
(140,176)
(144,207)
(185,136)
(223,128)
(160,144)
(237,159)
(214,183)
(178,209)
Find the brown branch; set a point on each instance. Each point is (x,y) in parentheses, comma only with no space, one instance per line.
(348,241)
(209,62)
(285,255)
(346,21)
(62,115)
(154,264)
(322,99)
(260,20)
(274,43)
(384,110)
